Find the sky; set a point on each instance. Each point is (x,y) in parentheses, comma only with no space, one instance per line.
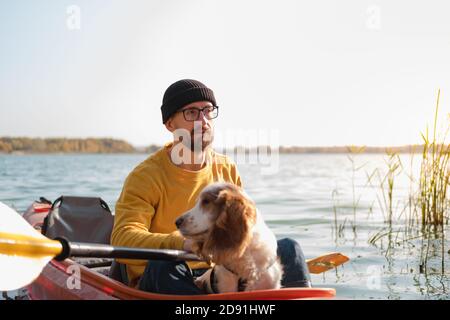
(307,73)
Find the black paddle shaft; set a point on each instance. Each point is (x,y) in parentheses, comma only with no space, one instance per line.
(80,249)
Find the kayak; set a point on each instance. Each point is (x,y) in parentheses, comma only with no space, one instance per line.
(89,279)
(52,284)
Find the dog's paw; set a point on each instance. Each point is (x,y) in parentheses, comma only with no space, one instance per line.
(200,283)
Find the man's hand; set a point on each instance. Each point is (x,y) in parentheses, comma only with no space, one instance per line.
(187,245)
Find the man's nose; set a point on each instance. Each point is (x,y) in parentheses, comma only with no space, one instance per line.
(202,125)
(203,118)
(179,222)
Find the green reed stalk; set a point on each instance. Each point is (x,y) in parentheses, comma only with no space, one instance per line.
(395,167)
(434,178)
(333,195)
(353,151)
(386,184)
(429,206)
(433,188)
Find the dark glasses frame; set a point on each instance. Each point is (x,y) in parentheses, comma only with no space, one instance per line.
(215,109)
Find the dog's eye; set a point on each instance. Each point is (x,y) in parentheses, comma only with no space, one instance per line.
(205,201)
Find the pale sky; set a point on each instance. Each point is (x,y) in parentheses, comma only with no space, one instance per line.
(320,73)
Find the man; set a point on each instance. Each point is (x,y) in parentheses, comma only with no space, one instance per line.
(168,183)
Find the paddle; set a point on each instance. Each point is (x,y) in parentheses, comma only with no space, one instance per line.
(326,262)
(24,252)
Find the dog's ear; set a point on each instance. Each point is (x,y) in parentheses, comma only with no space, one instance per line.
(231,232)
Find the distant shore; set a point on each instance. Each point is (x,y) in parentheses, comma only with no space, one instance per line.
(21,145)
(25,145)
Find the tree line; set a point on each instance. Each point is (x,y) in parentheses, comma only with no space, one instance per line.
(109,145)
(64,145)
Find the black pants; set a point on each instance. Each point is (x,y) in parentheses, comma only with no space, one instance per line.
(171,277)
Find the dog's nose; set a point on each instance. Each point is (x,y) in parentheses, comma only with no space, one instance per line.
(179,222)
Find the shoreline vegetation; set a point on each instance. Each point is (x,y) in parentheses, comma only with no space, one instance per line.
(418,223)
(25,145)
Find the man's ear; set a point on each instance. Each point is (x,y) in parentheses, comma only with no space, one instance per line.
(170,125)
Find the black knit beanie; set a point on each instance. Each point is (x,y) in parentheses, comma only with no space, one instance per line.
(182,93)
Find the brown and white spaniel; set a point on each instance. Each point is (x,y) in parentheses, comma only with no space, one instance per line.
(229,231)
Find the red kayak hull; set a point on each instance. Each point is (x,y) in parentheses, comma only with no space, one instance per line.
(57,277)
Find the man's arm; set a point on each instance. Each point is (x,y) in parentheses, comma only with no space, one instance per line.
(133,216)
(235,175)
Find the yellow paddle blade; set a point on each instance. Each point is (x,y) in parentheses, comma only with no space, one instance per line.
(24,252)
(326,262)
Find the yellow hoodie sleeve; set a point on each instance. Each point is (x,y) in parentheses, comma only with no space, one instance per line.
(134,212)
(235,175)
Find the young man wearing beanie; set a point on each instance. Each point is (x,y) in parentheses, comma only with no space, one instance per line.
(168,183)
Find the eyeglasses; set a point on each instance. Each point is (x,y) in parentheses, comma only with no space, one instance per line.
(193,114)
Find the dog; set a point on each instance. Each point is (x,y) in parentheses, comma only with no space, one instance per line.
(229,231)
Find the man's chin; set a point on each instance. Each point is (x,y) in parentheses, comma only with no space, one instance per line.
(204,145)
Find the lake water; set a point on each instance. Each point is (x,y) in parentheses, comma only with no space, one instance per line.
(299,199)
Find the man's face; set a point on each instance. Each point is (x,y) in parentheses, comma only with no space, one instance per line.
(201,131)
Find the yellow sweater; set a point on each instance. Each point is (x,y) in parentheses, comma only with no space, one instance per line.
(155,193)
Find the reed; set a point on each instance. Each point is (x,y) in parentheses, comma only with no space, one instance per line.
(425,216)
(385,184)
(433,198)
(434,179)
(428,202)
(338,227)
(353,151)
